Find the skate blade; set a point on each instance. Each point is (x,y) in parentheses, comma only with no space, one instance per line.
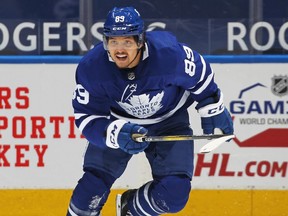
(118,205)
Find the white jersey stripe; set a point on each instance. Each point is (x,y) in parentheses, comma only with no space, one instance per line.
(205,84)
(88,119)
(79,115)
(203,69)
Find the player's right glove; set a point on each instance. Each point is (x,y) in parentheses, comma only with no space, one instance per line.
(119,135)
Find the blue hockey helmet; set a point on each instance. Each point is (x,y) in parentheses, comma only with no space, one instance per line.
(124,21)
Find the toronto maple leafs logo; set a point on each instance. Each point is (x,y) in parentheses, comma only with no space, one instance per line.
(95,202)
(140,106)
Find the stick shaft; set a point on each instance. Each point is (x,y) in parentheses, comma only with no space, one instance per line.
(141,138)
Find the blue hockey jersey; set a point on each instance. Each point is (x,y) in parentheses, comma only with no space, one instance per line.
(169,77)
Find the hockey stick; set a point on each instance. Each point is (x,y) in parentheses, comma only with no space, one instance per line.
(218,139)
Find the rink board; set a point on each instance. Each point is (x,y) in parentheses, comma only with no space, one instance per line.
(41,148)
(202,203)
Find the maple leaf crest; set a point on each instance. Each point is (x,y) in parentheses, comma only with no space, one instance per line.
(141,106)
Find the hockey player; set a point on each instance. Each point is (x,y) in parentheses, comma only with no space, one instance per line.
(141,83)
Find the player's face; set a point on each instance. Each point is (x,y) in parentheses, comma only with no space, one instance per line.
(123,51)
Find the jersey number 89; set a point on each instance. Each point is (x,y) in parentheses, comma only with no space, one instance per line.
(81,95)
(189,64)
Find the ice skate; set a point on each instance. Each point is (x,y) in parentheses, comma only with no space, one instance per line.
(122,201)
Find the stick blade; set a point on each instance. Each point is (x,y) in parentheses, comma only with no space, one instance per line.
(215,143)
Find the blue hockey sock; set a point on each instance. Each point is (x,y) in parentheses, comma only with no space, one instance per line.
(90,194)
(168,194)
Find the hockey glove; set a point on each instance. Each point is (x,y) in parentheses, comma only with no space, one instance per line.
(215,115)
(119,135)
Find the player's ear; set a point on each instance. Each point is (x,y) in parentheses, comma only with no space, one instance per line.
(140,40)
(140,46)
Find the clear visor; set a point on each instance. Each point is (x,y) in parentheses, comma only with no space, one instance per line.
(116,43)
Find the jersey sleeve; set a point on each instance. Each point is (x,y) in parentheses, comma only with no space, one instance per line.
(91,107)
(196,75)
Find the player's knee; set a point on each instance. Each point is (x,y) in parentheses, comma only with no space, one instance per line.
(173,192)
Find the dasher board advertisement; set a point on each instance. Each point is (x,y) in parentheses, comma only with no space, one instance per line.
(40,147)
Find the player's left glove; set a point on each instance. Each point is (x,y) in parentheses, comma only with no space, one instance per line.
(119,135)
(215,115)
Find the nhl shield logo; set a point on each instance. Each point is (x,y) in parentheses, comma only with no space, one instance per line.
(280,85)
(131,76)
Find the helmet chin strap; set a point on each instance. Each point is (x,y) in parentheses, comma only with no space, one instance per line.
(138,51)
